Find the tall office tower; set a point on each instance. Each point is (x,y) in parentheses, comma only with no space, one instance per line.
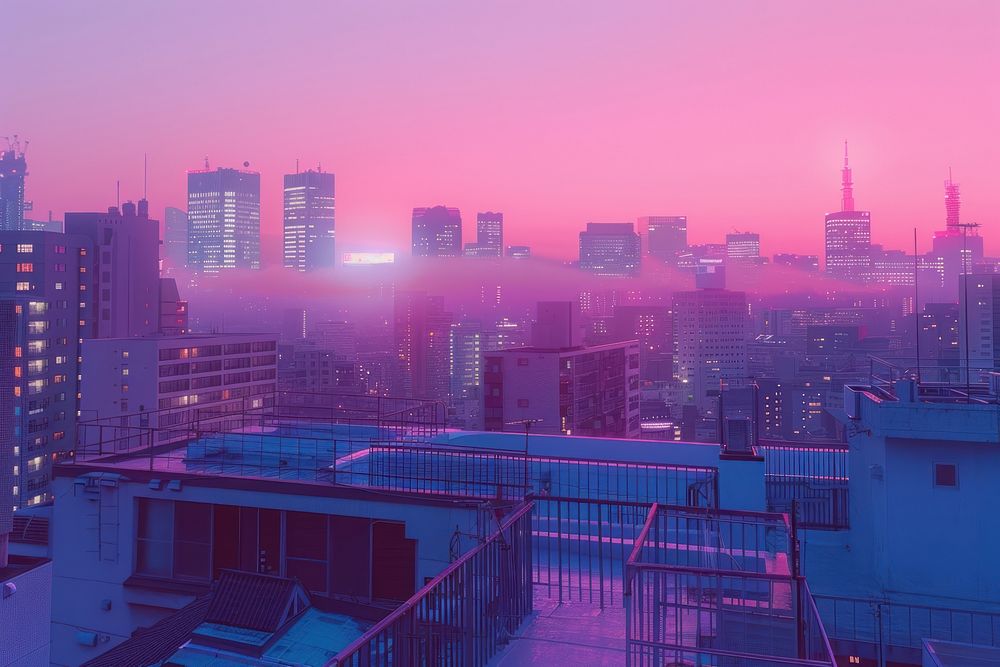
(958,247)
(489,236)
(591,391)
(652,326)
(848,235)
(801,262)
(979,324)
(175,232)
(123,273)
(469,341)
(710,333)
(421,331)
(743,247)
(666,236)
(610,249)
(437,232)
(47,311)
(309,221)
(223,220)
(558,324)
(13,169)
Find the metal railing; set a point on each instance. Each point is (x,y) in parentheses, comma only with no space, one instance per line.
(719,587)
(464,615)
(511,475)
(810,478)
(896,625)
(938,382)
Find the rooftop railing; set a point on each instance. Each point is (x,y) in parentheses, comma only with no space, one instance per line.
(463,616)
(719,587)
(810,478)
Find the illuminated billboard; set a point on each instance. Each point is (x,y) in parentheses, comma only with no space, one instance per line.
(366,258)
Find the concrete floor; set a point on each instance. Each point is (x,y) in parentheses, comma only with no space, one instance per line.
(572,633)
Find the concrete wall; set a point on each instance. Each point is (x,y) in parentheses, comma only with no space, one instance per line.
(88,585)
(24,618)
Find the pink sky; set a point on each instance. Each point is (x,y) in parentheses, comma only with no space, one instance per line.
(556,113)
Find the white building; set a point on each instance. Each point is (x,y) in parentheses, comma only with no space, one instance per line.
(167,377)
(710,334)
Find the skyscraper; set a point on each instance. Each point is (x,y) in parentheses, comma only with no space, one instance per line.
(958,246)
(743,247)
(489,236)
(710,332)
(122,275)
(309,221)
(666,236)
(848,235)
(175,224)
(437,232)
(421,329)
(610,249)
(223,220)
(12,171)
(45,314)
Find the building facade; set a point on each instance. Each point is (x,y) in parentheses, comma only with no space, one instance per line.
(169,378)
(44,286)
(13,169)
(309,227)
(223,220)
(436,232)
(175,230)
(589,391)
(610,249)
(489,236)
(710,332)
(122,275)
(666,236)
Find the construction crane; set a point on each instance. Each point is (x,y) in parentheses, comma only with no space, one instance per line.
(15,146)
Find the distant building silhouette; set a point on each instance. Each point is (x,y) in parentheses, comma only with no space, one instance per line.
(489,236)
(437,232)
(666,236)
(223,220)
(309,221)
(848,235)
(175,224)
(122,273)
(13,169)
(610,249)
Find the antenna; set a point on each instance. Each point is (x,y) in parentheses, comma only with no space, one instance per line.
(206,162)
(296,165)
(118,194)
(965,227)
(916,302)
(145,175)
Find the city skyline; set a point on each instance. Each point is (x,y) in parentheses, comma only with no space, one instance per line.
(771,149)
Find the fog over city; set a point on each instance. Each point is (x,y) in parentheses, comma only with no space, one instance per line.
(500,334)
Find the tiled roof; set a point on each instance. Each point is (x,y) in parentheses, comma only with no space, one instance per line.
(249,600)
(149,646)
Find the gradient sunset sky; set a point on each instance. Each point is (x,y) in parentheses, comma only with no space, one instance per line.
(556,113)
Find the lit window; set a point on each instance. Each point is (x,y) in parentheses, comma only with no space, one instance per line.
(23,287)
(25,247)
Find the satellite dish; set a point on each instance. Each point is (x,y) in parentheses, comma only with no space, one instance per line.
(246,163)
